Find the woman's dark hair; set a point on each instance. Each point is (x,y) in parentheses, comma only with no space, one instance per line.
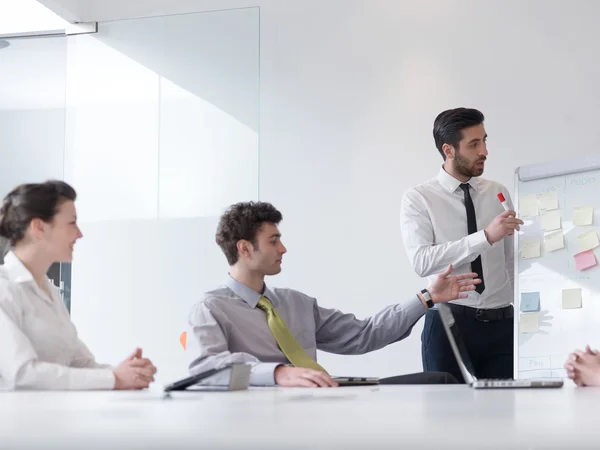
(32,201)
(242,221)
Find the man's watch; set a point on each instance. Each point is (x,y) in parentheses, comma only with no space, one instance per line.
(427,296)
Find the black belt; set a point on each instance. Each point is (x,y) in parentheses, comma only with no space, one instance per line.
(483,315)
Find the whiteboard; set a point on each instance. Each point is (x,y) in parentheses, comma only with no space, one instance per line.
(563,324)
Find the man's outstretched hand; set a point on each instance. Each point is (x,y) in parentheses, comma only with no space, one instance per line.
(448,287)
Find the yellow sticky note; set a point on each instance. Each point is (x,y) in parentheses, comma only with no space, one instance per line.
(583,215)
(548,201)
(571,298)
(530,249)
(529,322)
(528,205)
(554,241)
(588,240)
(551,220)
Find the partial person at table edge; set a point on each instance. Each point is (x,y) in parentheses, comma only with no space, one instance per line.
(583,367)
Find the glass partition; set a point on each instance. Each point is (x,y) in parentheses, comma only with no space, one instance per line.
(161,136)
(155,123)
(32,116)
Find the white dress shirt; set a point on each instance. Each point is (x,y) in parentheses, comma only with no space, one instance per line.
(435,234)
(39,345)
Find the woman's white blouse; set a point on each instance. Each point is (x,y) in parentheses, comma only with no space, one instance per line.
(39,347)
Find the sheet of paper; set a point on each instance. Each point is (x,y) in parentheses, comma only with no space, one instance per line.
(588,240)
(571,298)
(554,241)
(531,249)
(529,322)
(583,215)
(551,221)
(530,301)
(548,201)
(528,205)
(585,260)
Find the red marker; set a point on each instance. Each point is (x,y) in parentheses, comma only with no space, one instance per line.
(503,201)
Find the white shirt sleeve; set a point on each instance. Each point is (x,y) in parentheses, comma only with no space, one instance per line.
(20,367)
(208,349)
(417,233)
(84,358)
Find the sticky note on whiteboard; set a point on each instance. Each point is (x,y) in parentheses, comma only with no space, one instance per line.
(528,205)
(583,215)
(588,240)
(585,260)
(554,241)
(551,221)
(548,201)
(529,322)
(530,249)
(571,298)
(530,301)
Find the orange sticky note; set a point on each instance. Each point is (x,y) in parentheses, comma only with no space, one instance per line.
(585,260)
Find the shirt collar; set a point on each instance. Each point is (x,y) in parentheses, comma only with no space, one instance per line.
(18,273)
(250,296)
(15,269)
(451,184)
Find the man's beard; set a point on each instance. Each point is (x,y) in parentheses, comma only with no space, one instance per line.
(461,165)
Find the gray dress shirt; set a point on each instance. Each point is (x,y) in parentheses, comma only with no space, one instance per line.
(227,327)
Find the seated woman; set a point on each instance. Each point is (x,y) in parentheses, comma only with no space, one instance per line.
(584,367)
(40,347)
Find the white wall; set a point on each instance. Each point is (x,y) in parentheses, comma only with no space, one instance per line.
(349,91)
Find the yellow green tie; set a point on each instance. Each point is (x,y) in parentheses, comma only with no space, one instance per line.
(286,340)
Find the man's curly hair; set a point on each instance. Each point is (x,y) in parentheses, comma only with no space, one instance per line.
(242,221)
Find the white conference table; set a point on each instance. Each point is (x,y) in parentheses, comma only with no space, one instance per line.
(396,417)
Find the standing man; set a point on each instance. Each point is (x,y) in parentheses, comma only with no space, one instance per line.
(456,218)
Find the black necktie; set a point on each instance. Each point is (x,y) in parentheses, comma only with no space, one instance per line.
(472,225)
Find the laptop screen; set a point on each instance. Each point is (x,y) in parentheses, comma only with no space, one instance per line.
(457,343)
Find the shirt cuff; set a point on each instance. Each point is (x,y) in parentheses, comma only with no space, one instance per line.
(101,379)
(414,309)
(478,242)
(263,374)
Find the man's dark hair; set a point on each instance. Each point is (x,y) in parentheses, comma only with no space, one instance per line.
(242,221)
(448,126)
(32,201)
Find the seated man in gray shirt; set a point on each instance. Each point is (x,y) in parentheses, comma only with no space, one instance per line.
(278,331)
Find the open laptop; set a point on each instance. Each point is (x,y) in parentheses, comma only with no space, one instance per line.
(238,379)
(356,381)
(466,367)
(240,376)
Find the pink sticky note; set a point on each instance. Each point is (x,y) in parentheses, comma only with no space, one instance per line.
(585,260)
